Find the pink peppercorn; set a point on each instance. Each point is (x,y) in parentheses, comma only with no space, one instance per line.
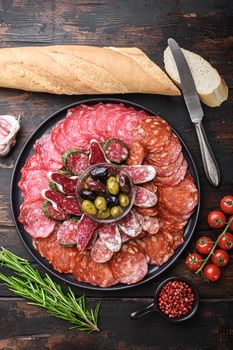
(176,299)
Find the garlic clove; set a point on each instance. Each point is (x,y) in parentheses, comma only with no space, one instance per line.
(9,127)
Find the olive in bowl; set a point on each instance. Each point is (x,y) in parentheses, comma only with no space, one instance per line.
(105,193)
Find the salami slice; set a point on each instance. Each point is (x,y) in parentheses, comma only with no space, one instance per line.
(116,150)
(50,157)
(175,178)
(85,228)
(66,233)
(144,198)
(100,253)
(170,169)
(34,221)
(137,154)
(167,155)
(130,225)
(85,269)
(61,258)
(147,211)
(96,153)
(129,265)
(148,223)
(184,197)
(33,162)
(150,186)
(159,247)
(110,236)
(61,142)
(66,205)
(51,213)
(65,184)
(32,183)
(153,133)
(140,173)
(76,161)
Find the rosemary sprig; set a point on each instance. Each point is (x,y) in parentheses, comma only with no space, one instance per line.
(44,292)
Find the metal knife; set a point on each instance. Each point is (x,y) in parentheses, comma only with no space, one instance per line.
(193,104)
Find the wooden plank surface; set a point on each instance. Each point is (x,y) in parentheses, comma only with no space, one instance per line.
(203,27)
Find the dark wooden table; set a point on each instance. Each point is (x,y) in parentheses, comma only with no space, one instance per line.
(205,27)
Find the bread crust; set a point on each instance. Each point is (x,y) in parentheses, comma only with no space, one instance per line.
(74,70)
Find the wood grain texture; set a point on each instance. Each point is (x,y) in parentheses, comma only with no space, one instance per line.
(202,27)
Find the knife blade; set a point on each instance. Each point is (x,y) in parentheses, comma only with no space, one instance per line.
(194,107)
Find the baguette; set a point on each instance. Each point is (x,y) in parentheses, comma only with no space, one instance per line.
(74,70)
(211,88)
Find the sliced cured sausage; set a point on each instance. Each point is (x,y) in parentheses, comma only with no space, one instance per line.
(51,213)
(116,150)
(50,157)
(84,230)
(175,178)
(85,269)
(137,153)
(147,211)
(148,223)
(100,253)
(180,199)
(66,233)
(32,183)
(140,173)
(130,225)
(96,153)
(167,155)
(76,161)
(66,205)
(144,198)
(65,184)
(34,221)
(61,258)
(110,236)
(129,265)
(170,169)
(59,139)
(159,247)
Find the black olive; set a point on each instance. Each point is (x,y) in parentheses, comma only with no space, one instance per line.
(99,173)
(124,183)
(87,194)
(112,201)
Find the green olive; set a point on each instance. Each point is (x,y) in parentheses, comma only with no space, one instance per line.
(89,208)
(113,185)
(123,200)
(104,214)
(116,211)
(100,203)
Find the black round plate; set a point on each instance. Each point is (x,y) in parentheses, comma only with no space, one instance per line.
(16,198)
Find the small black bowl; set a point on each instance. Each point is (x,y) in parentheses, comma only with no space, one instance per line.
(154,307)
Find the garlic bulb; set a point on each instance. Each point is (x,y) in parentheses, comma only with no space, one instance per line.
(9,126)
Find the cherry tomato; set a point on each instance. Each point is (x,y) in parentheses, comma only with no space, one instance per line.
(204,245)
(220,257)
(212,272)
(231,225)
(216,219)
(226,204)
(193,261)
(226,241)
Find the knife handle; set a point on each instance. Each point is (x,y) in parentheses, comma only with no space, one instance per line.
(208,159)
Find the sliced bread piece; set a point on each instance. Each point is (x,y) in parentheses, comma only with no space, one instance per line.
(211,88)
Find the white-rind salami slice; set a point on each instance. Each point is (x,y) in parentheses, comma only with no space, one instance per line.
(148,223)
(144,198)
(34,221)
(100,253)
(110,236)
(85,228)
(67,205)
(140,173)
(130,225)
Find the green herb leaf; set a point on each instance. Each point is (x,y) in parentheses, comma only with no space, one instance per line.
(45,293)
